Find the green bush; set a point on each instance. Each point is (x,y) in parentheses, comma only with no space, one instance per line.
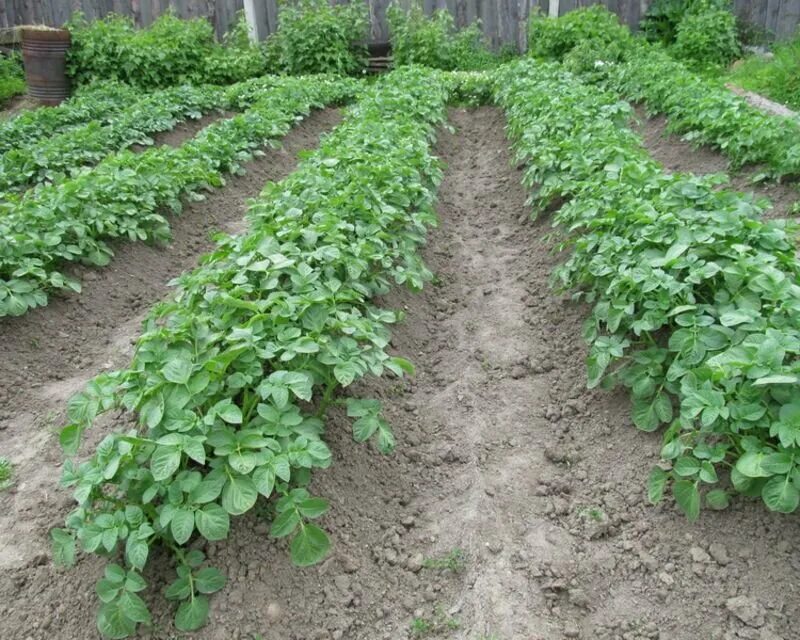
(315,37)
(434,41)
(556,37)
(238,59)
(777,78)
(12,77)
(661,20)
(707,36)
(170,52)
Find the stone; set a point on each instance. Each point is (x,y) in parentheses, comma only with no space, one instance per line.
(746,610)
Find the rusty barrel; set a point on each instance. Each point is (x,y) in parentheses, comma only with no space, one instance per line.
(45,54)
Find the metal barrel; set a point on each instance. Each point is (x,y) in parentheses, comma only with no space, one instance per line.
(45,55)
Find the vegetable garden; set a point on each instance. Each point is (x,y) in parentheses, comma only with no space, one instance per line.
(445,352)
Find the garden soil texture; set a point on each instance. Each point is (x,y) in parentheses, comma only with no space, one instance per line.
(502,453)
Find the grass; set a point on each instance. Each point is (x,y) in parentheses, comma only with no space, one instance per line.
(421,627)
(6,474)
(777,78)
(455,561)
(12,81)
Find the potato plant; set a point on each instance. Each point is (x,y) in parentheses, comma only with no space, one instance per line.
(231,380)
(95,102)
(695,303)
(125,195)
(705,112)
(67,152)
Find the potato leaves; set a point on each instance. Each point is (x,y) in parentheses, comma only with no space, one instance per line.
(694,301)
(231,380)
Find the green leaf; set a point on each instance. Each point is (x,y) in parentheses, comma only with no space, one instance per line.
(229,412)
(285,523)
(749,465)
(687,497)
(82,408)
(177,371)
(312,507)
(239,495)
(134,607)
(209,580)
(309,546)
(164,462)
(264,479)
(192,614)
(113,623)
(182,525)
(780,494)
(63,546)
(212,522)
(136,552)
(152,411)
(656,484)
(365,427)
(107,590)
(717,499)
(181,589)
(686,466)
(70,439)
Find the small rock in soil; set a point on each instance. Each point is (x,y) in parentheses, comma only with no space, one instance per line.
(747,610)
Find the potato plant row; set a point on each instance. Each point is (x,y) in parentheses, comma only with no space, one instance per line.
(695,301)
(66,153)
(126,195)
(231,380)
(95,102)
(706,112)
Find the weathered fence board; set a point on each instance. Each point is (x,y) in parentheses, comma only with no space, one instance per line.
(503,21)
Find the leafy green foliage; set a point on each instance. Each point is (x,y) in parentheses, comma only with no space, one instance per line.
(98,101)
(6,473)
(316,37)
(706,35)
(435,42)
(231,380)
(12,77)
(694,300)
(661,20)
(556,37)
(169,52)
(124,196)
(706,112)
(67,152)
(777,78)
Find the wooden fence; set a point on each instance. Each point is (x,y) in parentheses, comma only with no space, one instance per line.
(503,20)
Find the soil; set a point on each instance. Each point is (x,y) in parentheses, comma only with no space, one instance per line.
(16,104)
(677,155)
(502,454)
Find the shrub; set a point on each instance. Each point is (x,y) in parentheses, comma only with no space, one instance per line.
(315,37)
(661,20)
(434,41)
(12,77)
(170,52)
(556,37)
(707,36)
(238,59)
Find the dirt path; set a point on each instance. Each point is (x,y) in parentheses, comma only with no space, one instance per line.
(514,507)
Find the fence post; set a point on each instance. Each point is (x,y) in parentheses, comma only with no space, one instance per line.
(255,12)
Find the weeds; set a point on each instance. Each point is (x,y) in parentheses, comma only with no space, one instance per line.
(455,561)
